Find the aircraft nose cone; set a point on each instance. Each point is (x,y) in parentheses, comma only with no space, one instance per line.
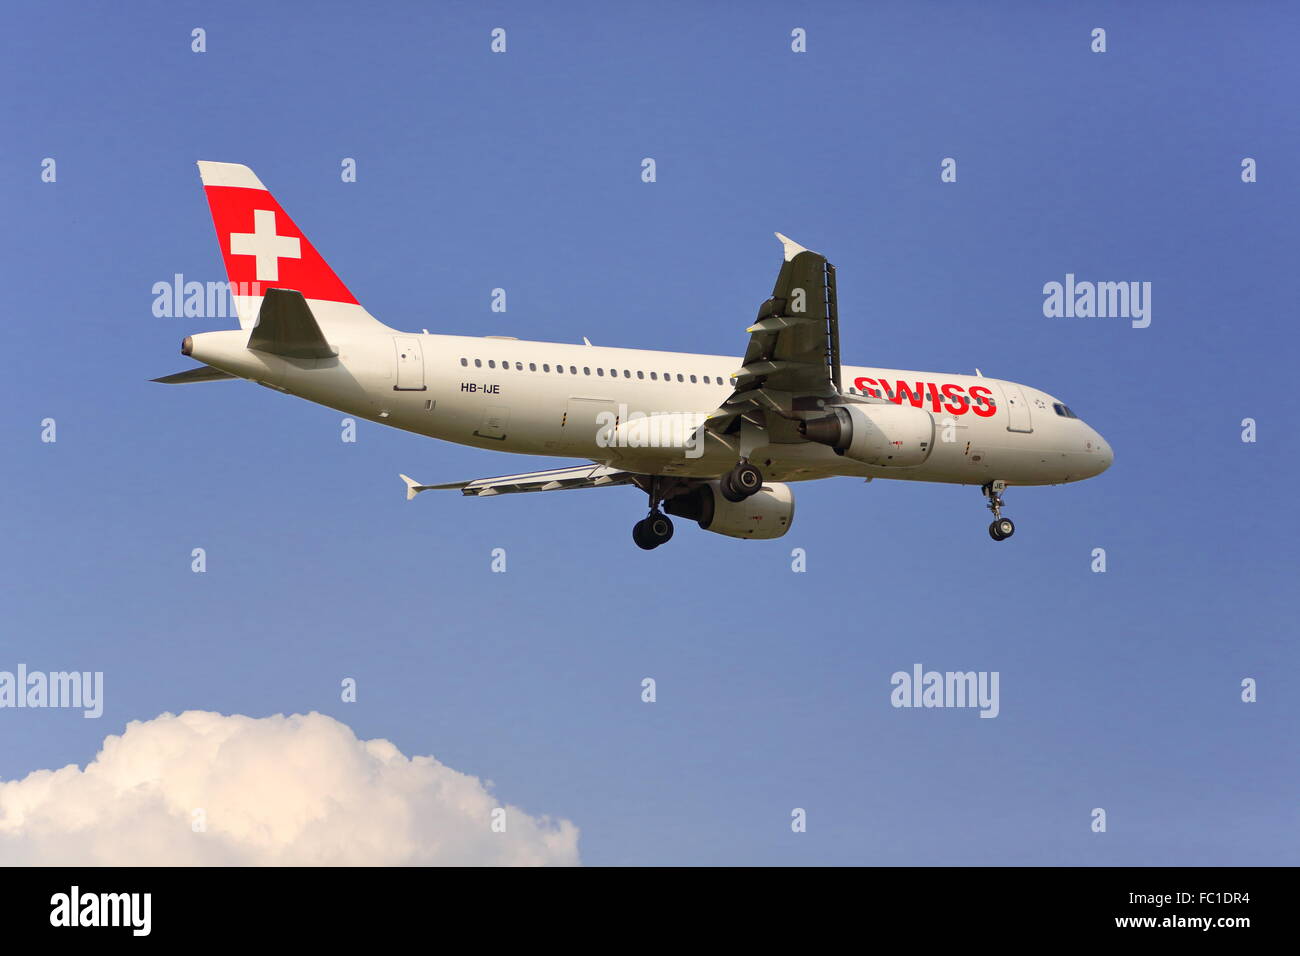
(1106,456)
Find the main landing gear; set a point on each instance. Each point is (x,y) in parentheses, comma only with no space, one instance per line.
(656,528)
(650,532)
(741,482)
(1001,528)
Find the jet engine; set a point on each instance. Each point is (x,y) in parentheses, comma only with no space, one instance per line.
(768,513)
(893,435)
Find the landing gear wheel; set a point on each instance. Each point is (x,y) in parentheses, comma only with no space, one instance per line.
(649,533)
(1001,528)
(741,482)
(658,528)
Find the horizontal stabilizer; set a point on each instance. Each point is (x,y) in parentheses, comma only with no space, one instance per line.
(285,326)
(204,373)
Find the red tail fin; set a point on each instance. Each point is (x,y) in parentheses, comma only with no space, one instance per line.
(262,247)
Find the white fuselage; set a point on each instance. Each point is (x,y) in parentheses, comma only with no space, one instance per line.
(541,398)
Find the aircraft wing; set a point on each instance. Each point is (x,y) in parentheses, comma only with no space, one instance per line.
(793,357)
(556,479)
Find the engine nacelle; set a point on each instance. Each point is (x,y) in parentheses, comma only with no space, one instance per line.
(893,435)
(768,513)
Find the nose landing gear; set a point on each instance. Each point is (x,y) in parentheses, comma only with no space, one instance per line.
(1001,528)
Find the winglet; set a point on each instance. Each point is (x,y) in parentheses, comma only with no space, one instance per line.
(792,248)
(413,487)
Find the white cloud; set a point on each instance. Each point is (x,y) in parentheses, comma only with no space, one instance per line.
(297,790)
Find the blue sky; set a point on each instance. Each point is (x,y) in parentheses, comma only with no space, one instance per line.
(1118,690)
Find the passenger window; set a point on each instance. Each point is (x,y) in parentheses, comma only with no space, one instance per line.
(692,379)
(600,373)
(640,374)
(546,368)
(585,370)
(532,366)
(478,363)
(626,373)
(573,370)
(654,376)
(679,376)
(519,366)
(560,369)
(492,363)
(464,362)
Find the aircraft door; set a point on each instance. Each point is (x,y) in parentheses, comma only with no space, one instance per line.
(1018,419)
(410,364)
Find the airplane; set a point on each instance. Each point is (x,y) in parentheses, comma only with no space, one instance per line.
(707,438)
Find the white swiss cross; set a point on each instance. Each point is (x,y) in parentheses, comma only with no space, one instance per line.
(265,244)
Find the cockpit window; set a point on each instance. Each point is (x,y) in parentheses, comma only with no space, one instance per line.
(1063,410)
